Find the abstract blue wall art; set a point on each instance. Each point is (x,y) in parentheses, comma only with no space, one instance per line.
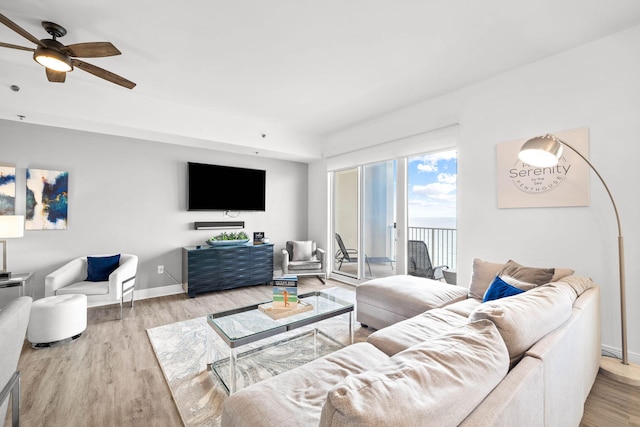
(7,190)
(47,199)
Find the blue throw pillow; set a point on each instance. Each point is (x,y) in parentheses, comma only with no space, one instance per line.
(500,289)
(99,268)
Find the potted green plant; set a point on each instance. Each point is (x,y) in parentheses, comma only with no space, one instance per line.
(225,238)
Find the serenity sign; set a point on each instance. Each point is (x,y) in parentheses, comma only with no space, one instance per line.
(524,186)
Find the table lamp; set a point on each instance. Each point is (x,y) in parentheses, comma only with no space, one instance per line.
(545,151)
(11,226)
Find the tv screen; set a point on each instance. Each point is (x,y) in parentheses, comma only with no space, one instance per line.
(225,188)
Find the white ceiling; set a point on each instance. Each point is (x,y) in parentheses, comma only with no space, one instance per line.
(220,74)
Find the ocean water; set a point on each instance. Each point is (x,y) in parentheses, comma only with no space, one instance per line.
(433,222)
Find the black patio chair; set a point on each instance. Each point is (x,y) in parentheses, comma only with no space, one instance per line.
(347,255)
(420,263)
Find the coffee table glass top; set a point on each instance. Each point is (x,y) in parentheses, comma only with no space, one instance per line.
(248,324)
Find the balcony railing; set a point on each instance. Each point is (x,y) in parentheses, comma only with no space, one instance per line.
(441,243)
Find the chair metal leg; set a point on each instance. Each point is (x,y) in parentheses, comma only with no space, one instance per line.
(13,388)
(123,293)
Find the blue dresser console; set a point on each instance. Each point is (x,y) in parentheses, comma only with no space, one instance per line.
(213,268)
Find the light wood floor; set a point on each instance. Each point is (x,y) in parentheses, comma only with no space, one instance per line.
(110,376)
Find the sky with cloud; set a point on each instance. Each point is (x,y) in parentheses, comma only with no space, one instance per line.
(432,185)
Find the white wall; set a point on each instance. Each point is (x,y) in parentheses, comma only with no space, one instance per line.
(594,86)
(129,195)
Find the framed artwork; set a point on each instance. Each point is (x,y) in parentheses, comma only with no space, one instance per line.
(47,199)
(524,186)
(7,190)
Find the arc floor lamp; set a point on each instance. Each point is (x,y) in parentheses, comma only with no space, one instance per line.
(545,151)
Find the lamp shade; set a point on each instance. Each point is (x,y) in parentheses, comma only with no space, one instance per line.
(541,151)
(11,226)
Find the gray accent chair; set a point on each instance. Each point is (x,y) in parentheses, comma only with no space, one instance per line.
(313,265)
(14,319)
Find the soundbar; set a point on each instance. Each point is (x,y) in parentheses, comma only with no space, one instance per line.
(215,225)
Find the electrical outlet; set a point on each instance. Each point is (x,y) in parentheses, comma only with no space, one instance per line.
(161,269)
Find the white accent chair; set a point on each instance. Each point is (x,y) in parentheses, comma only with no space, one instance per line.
(14,319)
(71,278)
(304,258)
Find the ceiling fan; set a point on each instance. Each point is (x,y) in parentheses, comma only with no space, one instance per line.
(58,59)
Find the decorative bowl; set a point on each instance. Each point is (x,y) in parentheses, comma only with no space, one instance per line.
(226,242)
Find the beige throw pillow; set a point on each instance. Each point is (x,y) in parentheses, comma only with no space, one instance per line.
(561,273)
(533,275)
(301,250)
(482,275)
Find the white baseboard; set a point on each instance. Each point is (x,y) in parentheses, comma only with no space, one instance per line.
(160,291)
(607,350)
(141,294)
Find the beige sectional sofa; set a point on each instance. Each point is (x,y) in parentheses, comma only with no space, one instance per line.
(525,360)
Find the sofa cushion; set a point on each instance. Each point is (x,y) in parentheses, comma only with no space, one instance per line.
(525,318)
(420,328)
(438,382)
(87,288)
(500,289)
(578,284)
(305,265)
(464,307)
(407,295)
(99,268)
(295,398)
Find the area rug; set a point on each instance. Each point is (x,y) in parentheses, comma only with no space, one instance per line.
(184,350)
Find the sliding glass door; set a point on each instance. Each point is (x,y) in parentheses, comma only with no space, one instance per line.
(379,219)
(364,221)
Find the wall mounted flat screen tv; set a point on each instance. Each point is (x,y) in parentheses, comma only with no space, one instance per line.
(225,188)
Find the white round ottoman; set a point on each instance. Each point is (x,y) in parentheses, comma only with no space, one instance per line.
(57,318)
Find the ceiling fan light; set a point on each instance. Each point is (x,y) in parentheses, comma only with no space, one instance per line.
(52,59)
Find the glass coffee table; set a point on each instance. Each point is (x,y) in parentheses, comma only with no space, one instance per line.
(249,324)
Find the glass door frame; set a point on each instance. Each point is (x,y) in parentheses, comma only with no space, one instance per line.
(332,216)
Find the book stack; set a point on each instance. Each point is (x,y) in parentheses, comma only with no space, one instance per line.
(285,298)
(285,292)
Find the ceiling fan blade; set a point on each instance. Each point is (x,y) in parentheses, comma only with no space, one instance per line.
(103,74)
(18,29)
(56,76)
(91,50)
(13,46)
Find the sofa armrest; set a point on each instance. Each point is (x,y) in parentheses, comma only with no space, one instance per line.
(517,400)
(69,273)
(321,254)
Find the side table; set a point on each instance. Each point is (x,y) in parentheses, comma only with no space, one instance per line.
(20,280)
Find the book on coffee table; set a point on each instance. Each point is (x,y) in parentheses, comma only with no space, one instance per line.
(285,292)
